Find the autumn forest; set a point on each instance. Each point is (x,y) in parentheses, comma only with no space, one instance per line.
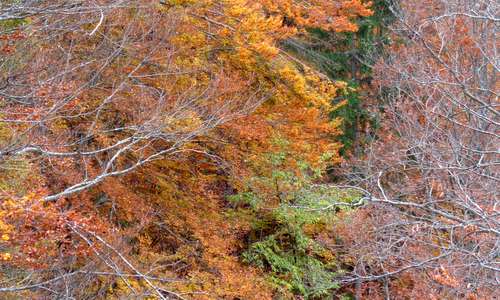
(249,149)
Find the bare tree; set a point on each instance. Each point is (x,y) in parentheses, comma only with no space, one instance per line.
(94,86)
(95,89)
(431,180)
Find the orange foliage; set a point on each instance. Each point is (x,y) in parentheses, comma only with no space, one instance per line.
(212,63)
(329,15)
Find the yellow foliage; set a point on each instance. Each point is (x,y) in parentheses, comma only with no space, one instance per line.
(226,53)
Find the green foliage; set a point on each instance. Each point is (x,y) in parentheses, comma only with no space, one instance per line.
(14,23)
(282,241)
(353,115)
(299,273)
(295,261)
(349,57)
(247,198)
(7,25)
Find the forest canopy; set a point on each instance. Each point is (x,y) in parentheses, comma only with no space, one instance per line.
(235,149)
